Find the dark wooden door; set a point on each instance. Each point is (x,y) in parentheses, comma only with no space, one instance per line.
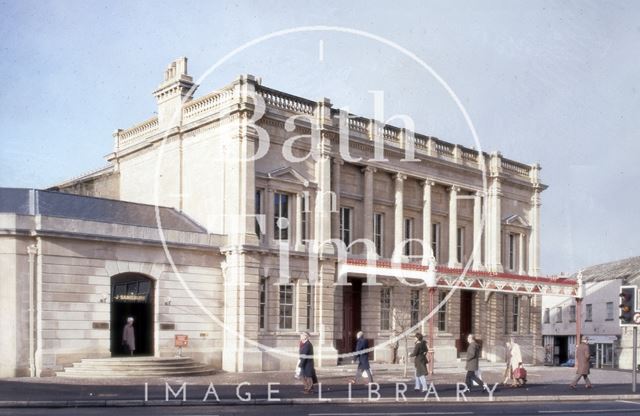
(466,319)
(351,318)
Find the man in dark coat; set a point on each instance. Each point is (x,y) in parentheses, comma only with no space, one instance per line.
(420,351)
(583,363)
(473,363)
(362,358)
(129,337)
(307,368)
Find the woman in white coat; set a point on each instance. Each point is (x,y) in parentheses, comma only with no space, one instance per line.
(515,361)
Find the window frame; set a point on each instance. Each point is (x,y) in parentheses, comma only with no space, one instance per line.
(588,312)
(385,308)
(378,233)
(414,306)
(262,303)
(460,244)
(572,313)
(442,312)
(286,307)
(436,230)
(609,310)
(515,314)
(279,233)
(408,232)
(512,251)
(348,231)
(258,207)
(558,314)
(309,307)
(305,218)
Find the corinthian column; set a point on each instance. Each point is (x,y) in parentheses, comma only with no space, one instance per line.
(426,222)
(453,227)
(323,202)
(534,239)
(477,231)
(336,182)
(398,217)
(494,224)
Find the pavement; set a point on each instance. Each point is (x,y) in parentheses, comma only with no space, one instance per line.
(545,384)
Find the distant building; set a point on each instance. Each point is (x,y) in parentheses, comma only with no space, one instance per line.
(610,344)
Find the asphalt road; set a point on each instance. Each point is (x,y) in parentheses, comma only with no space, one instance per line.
(452,409)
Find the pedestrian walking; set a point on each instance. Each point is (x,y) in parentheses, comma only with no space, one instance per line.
(583,363)
(515,362)
(307,367)
(129,337)
(473,364)
(420,350)
(508,371)
(362,358)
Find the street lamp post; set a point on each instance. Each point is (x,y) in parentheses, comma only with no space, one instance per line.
(579,296)
(431,286)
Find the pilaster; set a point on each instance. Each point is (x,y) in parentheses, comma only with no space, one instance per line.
(398,217)
(368,202)
(534,238)
(426,222)
(453,227)
(477,232)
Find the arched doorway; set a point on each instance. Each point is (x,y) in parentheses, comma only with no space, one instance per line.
(132,295)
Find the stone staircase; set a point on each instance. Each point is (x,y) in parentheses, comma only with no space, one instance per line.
(135,367)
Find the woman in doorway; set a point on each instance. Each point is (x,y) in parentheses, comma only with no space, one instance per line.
(129,337)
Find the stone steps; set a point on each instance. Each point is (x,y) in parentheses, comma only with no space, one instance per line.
(135,367)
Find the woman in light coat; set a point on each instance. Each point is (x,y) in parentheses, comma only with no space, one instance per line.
(515,361)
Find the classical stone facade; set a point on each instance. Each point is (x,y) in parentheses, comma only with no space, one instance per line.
(60,257)
(344,178)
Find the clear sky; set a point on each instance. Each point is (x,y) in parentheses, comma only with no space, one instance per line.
(555,82)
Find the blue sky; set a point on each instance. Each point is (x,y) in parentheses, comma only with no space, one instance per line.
(555,82)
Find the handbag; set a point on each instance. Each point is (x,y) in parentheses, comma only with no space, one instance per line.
(298,370)
(520,373)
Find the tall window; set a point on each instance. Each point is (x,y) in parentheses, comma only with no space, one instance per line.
(572,313)
(257,212)
(547,318)
(589,312)
(281,216)
(415,307)
(385,308)
(435,240)
(262,312)
(408,234)
(609,311)
(515,313)
(304,217)
(310,307)
(442,312)
(378,233)
(286,307)
(345,225)
(460,245)
(505,312)
(558,314)
(512,251)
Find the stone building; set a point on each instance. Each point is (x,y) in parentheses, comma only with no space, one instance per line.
(320,175)
(610,343)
